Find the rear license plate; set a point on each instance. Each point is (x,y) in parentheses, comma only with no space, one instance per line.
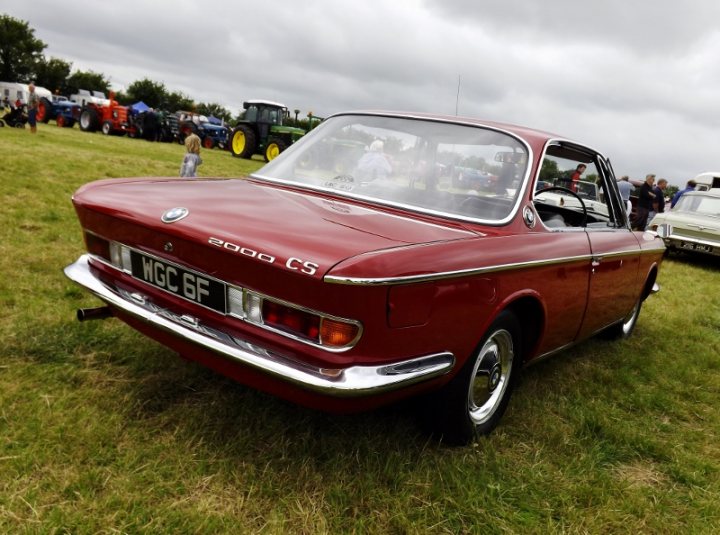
(182,282)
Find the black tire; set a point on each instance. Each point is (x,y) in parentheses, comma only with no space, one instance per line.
(208,142)
(243,142)
(625,327)
(2,123)
(107,128)
(185,129)
(44,110)
(474,401)
(89,121)
(273,148)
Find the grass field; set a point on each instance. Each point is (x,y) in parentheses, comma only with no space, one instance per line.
(104,431)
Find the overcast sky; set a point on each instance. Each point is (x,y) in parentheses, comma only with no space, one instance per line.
(636,80)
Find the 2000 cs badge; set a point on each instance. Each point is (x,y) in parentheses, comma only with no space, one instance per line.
(357,268)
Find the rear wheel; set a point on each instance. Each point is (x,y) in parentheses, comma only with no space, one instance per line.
(89,121)
(243,142)
(274,147)
(44,110)
(626,326)
(185,130)
(475,400)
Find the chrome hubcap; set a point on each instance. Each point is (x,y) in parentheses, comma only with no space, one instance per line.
(491,376)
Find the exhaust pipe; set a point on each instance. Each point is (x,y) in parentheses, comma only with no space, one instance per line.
(99,313)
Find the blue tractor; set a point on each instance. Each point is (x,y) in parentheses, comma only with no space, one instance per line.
(64,111)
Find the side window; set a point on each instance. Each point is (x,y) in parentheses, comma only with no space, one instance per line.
(251,114)
(571,189)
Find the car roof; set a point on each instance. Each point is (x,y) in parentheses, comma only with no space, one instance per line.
(714,192)
(532,135)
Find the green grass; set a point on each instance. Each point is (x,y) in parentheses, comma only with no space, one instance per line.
(105,431)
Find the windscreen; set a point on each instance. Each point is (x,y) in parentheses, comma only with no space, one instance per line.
(448,169)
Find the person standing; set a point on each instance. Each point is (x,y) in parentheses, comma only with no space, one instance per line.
(659,200)
(689,187)
(192,156)
(33,102)
(575,177)
(645,203)
(626,188)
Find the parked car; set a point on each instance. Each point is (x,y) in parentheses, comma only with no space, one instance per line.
(695,221)
(342,293)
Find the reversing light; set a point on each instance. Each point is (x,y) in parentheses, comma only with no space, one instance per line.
(120,256)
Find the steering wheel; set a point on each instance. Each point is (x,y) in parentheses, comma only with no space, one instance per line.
(569,192)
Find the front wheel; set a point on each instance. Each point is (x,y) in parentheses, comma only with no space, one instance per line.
(274,147)
(475,400)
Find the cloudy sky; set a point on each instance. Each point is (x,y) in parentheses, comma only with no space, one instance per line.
(636,80)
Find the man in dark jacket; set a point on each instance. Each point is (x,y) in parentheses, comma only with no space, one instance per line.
(646,199)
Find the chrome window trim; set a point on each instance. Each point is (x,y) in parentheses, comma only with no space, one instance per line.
(595,155)
(455,217)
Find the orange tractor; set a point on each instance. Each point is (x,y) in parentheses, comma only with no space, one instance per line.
(111,118)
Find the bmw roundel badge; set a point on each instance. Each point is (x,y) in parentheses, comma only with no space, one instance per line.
(174,214)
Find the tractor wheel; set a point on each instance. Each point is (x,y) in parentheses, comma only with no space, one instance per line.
(135,132)
(89,121)
(44,110)
(208,142)
(274,147)
(60,120)
(107,128)
(243,142)
(185,130)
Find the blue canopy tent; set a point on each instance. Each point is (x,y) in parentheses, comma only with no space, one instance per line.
(139,107)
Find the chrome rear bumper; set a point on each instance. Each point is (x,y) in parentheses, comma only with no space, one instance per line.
(341,382)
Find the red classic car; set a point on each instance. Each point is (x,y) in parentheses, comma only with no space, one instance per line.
(343,279)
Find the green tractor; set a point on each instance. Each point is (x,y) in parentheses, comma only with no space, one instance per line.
(261,131)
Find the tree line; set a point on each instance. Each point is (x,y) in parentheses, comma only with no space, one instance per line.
(22,59)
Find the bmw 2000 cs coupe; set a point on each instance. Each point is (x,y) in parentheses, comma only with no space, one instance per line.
(356,268)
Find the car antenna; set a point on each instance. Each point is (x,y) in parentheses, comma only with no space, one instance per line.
(457,97)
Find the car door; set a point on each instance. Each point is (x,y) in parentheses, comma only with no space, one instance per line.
(615,261)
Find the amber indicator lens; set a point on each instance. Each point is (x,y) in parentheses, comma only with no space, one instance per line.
(337,333)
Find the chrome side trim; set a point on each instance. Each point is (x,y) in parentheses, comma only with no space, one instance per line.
(354,381)
(333,279)
(429,277)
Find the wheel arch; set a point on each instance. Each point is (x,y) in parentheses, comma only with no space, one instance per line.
(530,312)
(650,280)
